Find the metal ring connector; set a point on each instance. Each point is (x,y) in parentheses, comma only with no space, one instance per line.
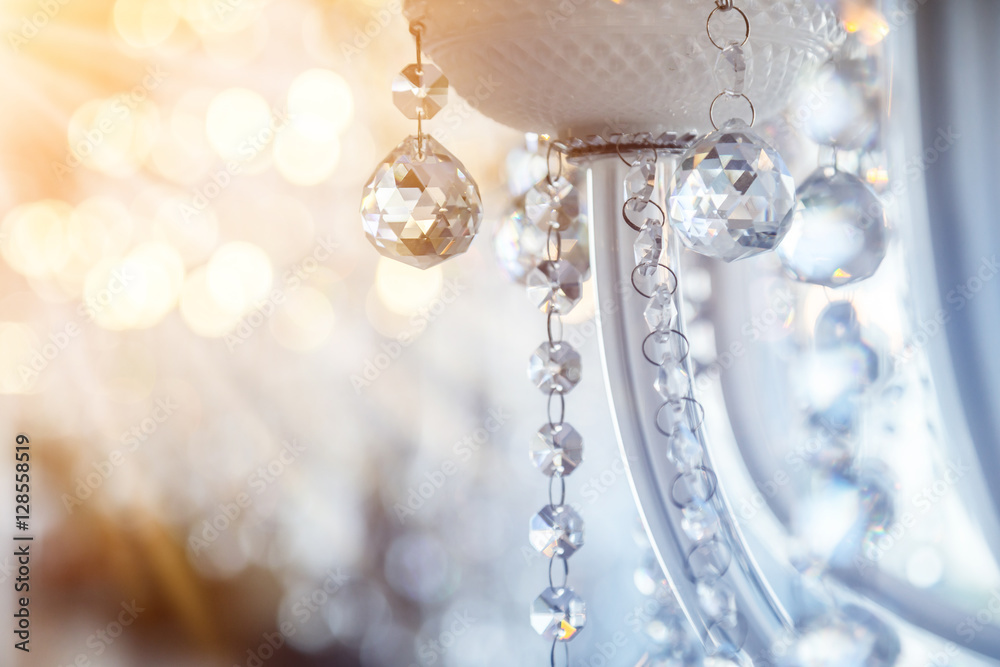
(548,167)
(711,109)
(719,8)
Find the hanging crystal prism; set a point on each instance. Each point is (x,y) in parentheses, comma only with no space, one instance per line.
(421,206)
(660,311)
(649,243)
(733,196)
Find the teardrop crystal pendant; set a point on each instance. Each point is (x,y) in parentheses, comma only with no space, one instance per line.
(733,196)
(421,206)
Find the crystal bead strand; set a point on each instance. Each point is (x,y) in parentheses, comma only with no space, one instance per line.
(421,205)
(733,195)
(680,416)
(556,531)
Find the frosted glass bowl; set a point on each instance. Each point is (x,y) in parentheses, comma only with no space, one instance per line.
(583,67)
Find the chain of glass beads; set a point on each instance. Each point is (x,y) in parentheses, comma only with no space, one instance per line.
(420,90)
(680,415)
(731,64)
(556,286)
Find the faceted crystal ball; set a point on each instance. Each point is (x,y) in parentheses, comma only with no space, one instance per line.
(838,234)
(421,207)
(733,196)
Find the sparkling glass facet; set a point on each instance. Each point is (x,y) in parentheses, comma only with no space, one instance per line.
(575,247)
(641,179)
(558,613)
(420,92)
(421,207)
(670,416)
(699,521)
(685,450)
(838,234)
(554,367)
(557,448)
(649,276)
(555,286)
(733,196)
(660,310)
(672,382)
(639,213)
(556,205)
(649,243)
(731,69)
(557,530)
(664,347)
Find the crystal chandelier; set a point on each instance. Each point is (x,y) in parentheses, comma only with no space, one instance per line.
(680,124)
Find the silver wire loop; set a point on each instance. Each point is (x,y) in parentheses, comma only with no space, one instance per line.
(711,109)
(720,8)
(552,656)
(557,316)
(562,490)
(548,166)
(690,404)
(722,559)
(672,332)
(639,153)
(417,30)
(645,202)
(729,634)
(565,570)
(562,410)
(639,267)
(711,481)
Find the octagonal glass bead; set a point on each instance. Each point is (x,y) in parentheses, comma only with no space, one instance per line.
(420,91)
